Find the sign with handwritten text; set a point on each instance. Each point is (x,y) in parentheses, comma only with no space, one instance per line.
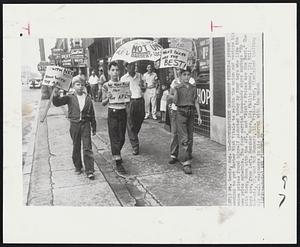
(61,77)
(120,92)
(174,57)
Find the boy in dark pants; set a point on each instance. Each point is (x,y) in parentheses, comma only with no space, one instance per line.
(116,119)
(136,106)
(186,100)
(82,119)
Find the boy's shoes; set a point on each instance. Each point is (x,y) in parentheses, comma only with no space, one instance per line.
(146,116)
(78,172)
(119,167)
(154,117)
(187,169)
(91,176)
(173,161)
(135,152)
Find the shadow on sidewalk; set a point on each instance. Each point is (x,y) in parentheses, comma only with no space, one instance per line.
(166,184)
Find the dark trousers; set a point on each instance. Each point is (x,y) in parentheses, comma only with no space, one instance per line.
(135,117)
(81,131)
(94,91)
(116,129)
(174,147)
(185,128)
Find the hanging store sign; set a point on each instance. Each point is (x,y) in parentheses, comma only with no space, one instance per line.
(76,51)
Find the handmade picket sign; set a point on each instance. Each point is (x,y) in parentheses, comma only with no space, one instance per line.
(59,77)
(120,92)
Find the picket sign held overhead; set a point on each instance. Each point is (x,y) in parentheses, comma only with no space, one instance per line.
(58,76)
(174,58)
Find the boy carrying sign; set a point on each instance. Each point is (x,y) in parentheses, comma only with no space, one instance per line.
(82,119)
(117,117)
(184,96)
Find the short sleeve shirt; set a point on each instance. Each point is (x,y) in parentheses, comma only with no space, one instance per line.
(134,84)
(150,78)
(187,94)
(191,81)
(93,80)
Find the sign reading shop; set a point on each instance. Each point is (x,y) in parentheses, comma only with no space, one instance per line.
(203,93)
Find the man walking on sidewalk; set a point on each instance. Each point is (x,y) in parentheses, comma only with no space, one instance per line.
(136,107)
(82,119)
(93,81)
(150,79)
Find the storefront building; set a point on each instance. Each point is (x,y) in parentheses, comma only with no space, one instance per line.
(207,60)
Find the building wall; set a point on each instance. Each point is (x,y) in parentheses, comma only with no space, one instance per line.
(218,104)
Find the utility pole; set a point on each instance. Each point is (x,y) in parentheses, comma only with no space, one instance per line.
(42,50)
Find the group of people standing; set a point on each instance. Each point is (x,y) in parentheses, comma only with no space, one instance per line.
(130,115)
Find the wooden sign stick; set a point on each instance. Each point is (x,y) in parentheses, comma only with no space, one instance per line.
(48,106)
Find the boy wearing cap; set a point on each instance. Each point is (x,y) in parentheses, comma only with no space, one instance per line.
(82,120)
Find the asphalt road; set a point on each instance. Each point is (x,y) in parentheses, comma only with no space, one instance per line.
(30,104)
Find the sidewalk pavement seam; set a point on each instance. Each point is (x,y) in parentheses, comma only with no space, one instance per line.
(147,191)
(31,152)
(49,163)
(105,174)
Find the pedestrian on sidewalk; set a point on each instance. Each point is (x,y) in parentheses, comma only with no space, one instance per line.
(150,79)
(93,81)
(163,102)
(136,107)
(184,95)
(82,119)
(101,82)
(174,147)
(116,118)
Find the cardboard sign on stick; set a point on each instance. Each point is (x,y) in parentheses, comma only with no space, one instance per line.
(120,92)
(174,57)
(58,76)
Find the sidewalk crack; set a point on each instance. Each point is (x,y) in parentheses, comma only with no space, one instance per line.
(50,168)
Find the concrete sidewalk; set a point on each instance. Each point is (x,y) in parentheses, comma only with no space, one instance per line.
(151,181)
(53,181)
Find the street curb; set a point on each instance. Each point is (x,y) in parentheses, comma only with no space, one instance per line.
(27,168)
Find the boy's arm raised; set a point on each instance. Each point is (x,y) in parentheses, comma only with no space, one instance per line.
(57,100)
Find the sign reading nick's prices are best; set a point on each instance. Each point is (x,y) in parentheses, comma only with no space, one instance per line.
(61,77)
(174,57)
(120,92)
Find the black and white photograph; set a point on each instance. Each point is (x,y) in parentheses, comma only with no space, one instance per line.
(112,121)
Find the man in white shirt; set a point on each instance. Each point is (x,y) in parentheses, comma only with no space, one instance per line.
(93,81)
(136,107)
(150,79)
(101,82)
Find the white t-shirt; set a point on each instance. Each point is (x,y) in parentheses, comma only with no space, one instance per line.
(93,80)
(191,81)
(81,100)
(150,79)
(134,83)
